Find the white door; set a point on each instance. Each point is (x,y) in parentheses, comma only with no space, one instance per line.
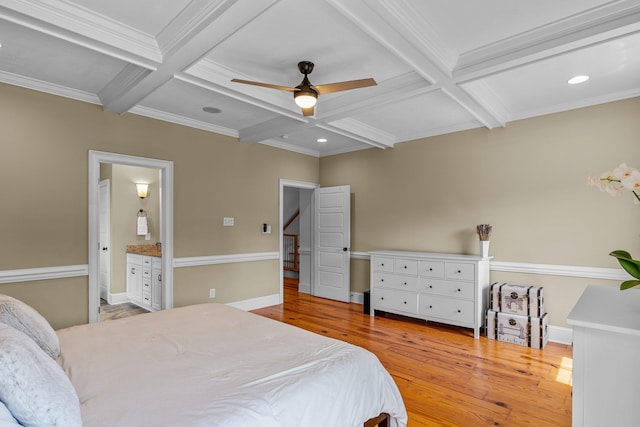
(332,225)
(104,239)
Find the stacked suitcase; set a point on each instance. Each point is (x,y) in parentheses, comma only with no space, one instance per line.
(516,315)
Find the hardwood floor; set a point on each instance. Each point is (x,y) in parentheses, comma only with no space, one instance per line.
(445,376)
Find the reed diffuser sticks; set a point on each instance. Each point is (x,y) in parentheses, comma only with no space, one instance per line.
(484,231)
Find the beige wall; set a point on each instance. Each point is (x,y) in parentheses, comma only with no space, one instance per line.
(125,205)
(528,180)
(43,176)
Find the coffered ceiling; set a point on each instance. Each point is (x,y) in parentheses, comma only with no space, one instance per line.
(441,66)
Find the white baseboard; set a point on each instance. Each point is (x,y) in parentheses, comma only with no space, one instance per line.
(560,335)
(305,288)
(118,298)
(357,298)
(256,303)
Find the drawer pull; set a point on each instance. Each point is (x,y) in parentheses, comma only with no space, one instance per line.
(381,298)
(430,306)
(133,270)
(430,286)
(405,302)
(459,271)
(459,311)
(405,266)
(382,264)
(405,283)
(459,290)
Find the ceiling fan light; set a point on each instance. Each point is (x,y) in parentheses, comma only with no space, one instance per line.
(305,99)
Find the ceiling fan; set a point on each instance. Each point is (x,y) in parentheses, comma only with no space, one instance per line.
(305,94)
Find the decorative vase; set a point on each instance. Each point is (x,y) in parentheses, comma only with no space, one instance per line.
(484,248)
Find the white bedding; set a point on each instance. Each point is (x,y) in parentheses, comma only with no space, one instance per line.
(214,365)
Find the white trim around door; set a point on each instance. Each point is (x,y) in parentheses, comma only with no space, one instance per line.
(295,184)
(166,223)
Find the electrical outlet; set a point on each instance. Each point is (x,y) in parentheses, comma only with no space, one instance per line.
(212,293)
(228,222)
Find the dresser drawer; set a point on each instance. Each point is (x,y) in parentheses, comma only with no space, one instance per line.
(406,266)
(387,280)
(448,289)
(433,269)
(447,309)
(460,271)
(406,302)
(383,264)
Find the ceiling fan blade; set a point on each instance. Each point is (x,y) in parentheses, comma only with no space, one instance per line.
(307,111)
(348,85)
(268,85)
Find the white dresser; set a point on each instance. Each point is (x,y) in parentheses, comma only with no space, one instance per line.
(445,288)
(606,352)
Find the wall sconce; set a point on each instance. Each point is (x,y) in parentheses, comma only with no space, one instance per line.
(143,190)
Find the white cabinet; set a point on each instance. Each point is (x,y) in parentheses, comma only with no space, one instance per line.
(134,278)
(144,278)
(444,288)
(156,283)
(606,350)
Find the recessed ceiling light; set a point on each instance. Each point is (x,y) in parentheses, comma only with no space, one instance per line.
(322,140)
(211,110)
(577,79)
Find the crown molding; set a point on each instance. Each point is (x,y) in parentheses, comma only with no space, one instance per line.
(184,121)
(589,102)
(290,147)
(40,86)
(359,131)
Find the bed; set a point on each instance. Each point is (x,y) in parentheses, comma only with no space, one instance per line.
(214,365)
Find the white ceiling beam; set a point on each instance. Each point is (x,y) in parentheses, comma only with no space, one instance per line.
(193,45)
(273,128)
(65,21)
(398,30)
(358,131)
(578,31)
(387,92)
(125,80)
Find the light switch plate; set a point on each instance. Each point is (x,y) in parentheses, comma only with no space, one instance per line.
(228,222)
